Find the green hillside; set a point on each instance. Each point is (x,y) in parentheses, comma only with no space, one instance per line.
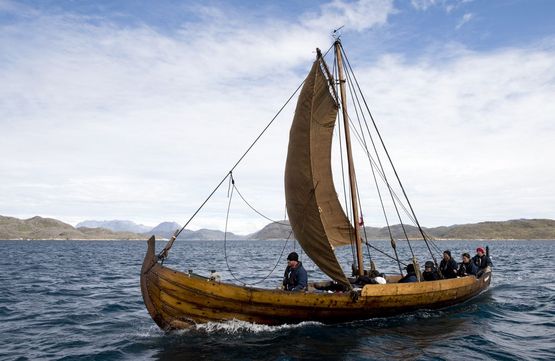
(48,228)
(513,229)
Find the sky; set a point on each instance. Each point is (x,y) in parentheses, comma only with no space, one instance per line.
(135,110)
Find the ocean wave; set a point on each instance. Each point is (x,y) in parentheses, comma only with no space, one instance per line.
(237,326)
(88,305)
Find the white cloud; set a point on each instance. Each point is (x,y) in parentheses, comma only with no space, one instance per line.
(447,5)
(469,134)
(104,121)
(465,19)
(423,4)
(358,16)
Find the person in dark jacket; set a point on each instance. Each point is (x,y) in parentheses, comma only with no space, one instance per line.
(295,277)
(467,267)
(481,260)
(374,277)
(430,272)
(448,265)
(410,276)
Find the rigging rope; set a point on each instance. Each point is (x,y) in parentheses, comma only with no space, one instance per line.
(232,187)
(379,160)
(256,211)
(353,95)
(390,160)
(385,254)
(232,182)
(391,163)
(374,167)
(362,141)
(164,253)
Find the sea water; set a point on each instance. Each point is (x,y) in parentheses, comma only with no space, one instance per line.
(81,300)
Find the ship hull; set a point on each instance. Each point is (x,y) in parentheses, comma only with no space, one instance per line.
(177,300)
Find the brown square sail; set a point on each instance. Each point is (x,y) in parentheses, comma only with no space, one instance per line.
(315,213)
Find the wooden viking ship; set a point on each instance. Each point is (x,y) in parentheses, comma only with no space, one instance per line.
(178,300)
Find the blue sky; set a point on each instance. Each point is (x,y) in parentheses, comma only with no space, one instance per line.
(134,110)
(411,26)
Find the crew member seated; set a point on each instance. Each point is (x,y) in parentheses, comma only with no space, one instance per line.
(481,260)
(448,265)
(467,267)
(410,276)
(430,272)
(373,278)
(295,277)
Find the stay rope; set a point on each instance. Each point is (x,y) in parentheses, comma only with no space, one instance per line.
(353,95)
(256,211)
(414,218)
(164,253)
(232,189)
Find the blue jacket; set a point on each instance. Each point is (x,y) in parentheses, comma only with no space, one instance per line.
(295,279)
(410,277)
(467,269)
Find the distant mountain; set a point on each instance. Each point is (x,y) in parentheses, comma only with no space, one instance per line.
(164,229)
(274,230)
(513,229)
(116,226)
(207,235)
(282,230)
(396,231)
(48,228)
(101,233)
(167,229)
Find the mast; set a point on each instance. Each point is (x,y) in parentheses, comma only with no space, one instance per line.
(352,176)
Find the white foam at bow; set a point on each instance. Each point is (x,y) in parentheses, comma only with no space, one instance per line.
(237,326)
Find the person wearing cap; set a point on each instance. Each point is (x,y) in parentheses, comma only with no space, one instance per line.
(448,265)
(410,276)
(467,267)
(481,260)
(430,272)
(295,277)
